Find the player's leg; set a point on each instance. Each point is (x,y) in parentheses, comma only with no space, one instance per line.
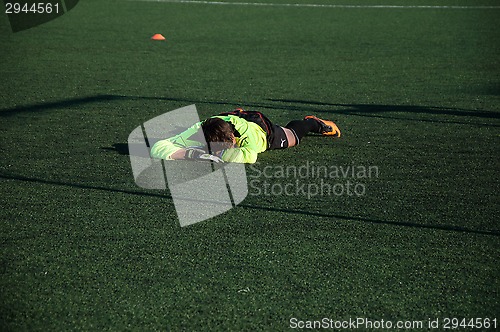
(312,124)
(290,137)
(294,131)
(328,127)
(281,138)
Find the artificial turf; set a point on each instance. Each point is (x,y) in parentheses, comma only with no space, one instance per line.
(415,92)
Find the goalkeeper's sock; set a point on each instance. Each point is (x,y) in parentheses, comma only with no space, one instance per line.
(302,127)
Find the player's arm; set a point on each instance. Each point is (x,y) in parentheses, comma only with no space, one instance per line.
(239,155)
(186,145)
(243,152)
(179,154)
(166,149)
(175,147)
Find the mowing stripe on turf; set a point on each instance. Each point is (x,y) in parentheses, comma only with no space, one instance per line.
(320,5)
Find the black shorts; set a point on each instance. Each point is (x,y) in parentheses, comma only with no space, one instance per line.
(278,139)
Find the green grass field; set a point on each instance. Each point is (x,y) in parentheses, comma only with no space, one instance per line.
(415,91)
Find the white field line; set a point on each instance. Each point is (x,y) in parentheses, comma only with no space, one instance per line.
(202,2)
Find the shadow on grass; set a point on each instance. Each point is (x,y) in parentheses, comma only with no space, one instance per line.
(302,106)
(120,148)
(58,104)
(368,108)
(261,208)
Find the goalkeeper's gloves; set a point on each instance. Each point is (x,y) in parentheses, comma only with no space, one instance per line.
(201,155)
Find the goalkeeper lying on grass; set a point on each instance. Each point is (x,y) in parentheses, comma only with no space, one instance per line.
(238,136)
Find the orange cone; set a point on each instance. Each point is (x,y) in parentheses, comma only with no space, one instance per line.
(158,36)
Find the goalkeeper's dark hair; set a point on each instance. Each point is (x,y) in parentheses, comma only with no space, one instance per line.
(217,130)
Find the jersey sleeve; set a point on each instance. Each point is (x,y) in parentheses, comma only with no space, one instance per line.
(240,155)
(164,149)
